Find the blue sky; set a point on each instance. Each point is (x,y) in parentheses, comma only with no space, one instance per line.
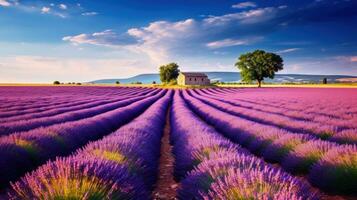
(42,41)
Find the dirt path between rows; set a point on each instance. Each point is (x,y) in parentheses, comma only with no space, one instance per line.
(166,186)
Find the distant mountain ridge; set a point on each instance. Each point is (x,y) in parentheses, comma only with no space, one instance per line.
(233,77)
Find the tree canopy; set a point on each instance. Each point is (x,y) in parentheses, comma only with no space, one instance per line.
(169,72)
(258,65)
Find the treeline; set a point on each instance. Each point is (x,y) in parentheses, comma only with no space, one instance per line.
(68,83)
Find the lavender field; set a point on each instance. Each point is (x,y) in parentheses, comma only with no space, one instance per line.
(225,143)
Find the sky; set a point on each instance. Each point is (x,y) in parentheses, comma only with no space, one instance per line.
(43,41)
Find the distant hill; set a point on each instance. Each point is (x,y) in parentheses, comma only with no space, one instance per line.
(235,77)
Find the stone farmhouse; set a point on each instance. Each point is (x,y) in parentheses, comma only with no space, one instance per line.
(192,78)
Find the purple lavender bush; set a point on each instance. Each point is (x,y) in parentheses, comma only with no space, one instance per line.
(259,184)
(79,179)
(279,148)
(347,136)
(336,171)
(305,155)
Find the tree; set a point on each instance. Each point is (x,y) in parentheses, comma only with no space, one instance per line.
(169,72)
(56,83)
(258,65)
(117,82)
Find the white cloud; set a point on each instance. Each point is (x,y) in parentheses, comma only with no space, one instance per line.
(353,59)
(245,17)
(5,3)
(89,13)
(104,38)
(45,10)
(247,4)
(35,8)
(288,50)
(62,6)
(226,43)
(160,38)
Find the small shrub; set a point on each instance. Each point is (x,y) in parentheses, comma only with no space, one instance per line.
(137,83)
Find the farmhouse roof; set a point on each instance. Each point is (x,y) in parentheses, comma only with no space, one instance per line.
(195,74)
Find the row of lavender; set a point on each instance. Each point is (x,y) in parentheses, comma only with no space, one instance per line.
(314,104)
(24,151)
(328,128)
(60,101)
(211,167)
(56,116)
(111,168)
(328,165)
(28,97)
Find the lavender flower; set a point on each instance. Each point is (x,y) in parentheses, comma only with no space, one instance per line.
(259,184)
(79,179)
(336,171)
(305,155)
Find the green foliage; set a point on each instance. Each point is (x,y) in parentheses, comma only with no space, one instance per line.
(56,83)
(169,72)
(258,65)
(117,82)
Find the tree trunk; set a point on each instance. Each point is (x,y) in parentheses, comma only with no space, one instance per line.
(259,83)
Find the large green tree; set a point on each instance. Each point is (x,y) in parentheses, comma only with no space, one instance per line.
(258,65)
(169,72)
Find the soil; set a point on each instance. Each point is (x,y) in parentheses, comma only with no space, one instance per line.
(166,186)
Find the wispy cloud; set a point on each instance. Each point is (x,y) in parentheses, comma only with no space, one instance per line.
(353,58)
(105,38)
(89,13)
(247,4)
(45,10)
(231,42)
(60,10)
(245,17)
(62,6)
(5,3)
(287,50)
(346,58)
